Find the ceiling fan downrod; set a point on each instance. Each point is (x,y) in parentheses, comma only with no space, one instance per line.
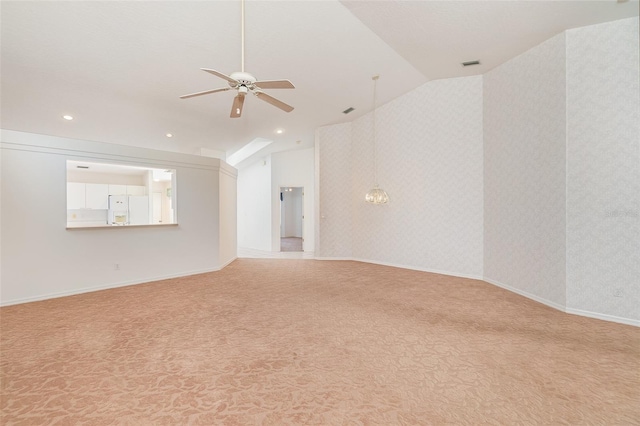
(242,36)
(245,83)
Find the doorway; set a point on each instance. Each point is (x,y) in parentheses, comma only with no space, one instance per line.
(291,218)
(157,207)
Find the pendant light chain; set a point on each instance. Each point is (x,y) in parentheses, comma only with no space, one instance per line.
(375,156)
(377,195)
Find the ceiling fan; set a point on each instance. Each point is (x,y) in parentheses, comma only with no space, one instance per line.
(244,83)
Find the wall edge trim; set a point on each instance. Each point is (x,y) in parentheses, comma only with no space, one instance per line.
(412,268)
(526,294)
(224,265)
(417,268)
(106,287)
(559,307)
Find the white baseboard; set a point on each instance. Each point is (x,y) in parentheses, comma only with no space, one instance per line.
(528,295)
(604,317)
(396,265)
(224,265)
(416,268)
(107,286)
(565,309)
(332,258)
(595,315)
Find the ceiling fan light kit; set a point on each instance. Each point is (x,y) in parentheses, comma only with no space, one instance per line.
(245,83)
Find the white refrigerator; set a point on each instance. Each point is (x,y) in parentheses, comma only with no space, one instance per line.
(138,210)
(128,210)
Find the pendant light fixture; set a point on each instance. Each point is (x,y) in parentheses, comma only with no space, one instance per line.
(376,195)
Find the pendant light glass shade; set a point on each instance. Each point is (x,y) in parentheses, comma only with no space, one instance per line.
(376,195)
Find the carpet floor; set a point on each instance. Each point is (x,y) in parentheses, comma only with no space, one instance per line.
(290,244)
(297,342)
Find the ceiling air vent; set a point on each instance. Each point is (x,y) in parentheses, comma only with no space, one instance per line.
(469,63)
(348,110)
(82,167)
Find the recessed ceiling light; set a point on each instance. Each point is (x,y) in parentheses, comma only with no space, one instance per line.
(67,117)
(279,131)
(169,135)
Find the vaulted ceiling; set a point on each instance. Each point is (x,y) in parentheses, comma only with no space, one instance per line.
(120,67)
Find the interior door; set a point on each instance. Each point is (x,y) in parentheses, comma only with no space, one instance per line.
(157,207)
(291,218)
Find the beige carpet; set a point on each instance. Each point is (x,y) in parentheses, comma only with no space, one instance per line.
(290,244)
(279,342)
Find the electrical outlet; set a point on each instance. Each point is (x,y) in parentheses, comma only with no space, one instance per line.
(116,266)
(617,292)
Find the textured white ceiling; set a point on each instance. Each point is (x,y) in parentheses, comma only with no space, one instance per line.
(119,67)
(437,36)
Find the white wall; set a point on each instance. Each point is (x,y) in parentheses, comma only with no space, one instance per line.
(42,259)
(334,220)
(112,178)
(228,214)
(562,172)
(254,205)
(297,212)
(524,173)
(429,162)
(532,171)
(295,169)
(603,169)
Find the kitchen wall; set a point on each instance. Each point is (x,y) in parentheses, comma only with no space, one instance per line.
(112,178)
(603,170)
(40,258)
(524,173)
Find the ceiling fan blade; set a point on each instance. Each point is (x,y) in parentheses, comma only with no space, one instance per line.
(273,101)
(206,92)
(222,76)
(275,84)
(236,109)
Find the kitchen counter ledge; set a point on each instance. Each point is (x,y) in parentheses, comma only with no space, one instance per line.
(74,227)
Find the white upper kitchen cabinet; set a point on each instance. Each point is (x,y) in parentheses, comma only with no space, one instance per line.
(87,196)
(127,190)
(136,190)
(97,196)
(75,195)
(117,189)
